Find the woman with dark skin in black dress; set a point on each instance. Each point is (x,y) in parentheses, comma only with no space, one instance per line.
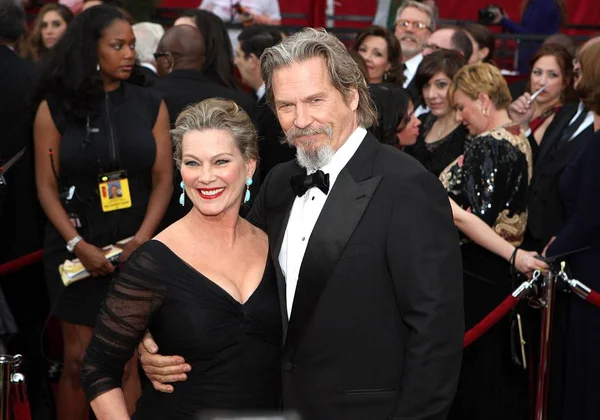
(90,123)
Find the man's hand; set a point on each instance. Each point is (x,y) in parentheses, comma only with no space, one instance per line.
(161,370)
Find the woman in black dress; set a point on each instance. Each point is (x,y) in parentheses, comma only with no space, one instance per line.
(489,180)
(91,124)
(204,287)
(441,139)
(579,189)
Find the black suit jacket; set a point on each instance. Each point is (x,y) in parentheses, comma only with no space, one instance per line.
(185,87)
(21,218)
(545,208)
(377,327)
(273,149)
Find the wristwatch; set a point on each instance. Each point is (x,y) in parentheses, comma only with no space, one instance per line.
(73,242)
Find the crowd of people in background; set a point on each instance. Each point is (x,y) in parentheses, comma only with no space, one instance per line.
(89,97)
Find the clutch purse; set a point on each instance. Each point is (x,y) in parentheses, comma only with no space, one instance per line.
(73,270)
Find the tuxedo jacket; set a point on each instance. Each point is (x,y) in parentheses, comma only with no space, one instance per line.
(545,209)
(273,149)
(376,328)
(21,217)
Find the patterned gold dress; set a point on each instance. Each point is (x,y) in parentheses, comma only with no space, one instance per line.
(490,179)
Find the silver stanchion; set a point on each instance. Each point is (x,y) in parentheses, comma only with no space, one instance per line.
(543,375)
(8,375)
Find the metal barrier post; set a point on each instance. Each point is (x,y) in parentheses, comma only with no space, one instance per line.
(543,376)
(8,365)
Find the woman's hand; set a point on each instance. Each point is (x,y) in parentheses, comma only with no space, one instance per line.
(129,247)
(93,259)
(527,262)
(548,245)
(521,110)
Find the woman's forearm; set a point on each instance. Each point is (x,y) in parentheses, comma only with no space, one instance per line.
(50,202)
(480,233)
(157,206)
(110,406)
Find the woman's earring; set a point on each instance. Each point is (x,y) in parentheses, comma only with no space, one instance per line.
(182,196)
(486,113)
(385,76)
(247,196)
(98,67)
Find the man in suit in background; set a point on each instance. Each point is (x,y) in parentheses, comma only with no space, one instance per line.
(414,24)
(147,37)
(366,254)
(252,42)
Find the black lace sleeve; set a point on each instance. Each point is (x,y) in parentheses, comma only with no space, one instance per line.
(133,297)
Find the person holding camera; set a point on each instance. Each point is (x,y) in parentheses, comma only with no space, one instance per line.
(539,17)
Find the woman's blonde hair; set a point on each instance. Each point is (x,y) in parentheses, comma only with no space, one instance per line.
(474,79)
(216,114)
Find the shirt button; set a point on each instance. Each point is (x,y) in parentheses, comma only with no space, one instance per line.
(287,366)
(303,238)
(313,198)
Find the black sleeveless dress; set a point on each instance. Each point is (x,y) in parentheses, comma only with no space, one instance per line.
(233,348)
(119,137)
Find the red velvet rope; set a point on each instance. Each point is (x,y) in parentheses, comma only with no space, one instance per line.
(594,298)
(490,320)
(21,262)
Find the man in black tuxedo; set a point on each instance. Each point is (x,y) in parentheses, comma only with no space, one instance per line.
(180,59)
(366,254)
(252,42)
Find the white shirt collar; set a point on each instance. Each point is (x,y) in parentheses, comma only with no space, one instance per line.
(411,68)
(260,92)
(149,66)
(343,155)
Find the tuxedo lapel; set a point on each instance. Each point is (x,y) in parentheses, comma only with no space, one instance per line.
(553,132)
(345,206)
(282,205)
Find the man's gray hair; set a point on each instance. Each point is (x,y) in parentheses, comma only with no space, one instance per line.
(343,71)
(419,6)
(147,37)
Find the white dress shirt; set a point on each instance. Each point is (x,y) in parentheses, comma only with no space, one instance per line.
(411,69)
(589,120)
(260,92)
(304,214)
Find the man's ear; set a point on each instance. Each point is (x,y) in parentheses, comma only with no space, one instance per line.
(255,60)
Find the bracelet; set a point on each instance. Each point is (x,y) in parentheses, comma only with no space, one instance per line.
(513,257)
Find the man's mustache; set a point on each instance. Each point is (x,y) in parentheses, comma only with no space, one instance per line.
(409,37)
(294,133)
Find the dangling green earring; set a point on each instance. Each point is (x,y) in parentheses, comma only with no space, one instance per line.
(182,196)
(247,196)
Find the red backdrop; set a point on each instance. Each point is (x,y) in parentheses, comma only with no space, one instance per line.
(581,12)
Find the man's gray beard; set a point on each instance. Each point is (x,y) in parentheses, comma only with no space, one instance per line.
(314,159)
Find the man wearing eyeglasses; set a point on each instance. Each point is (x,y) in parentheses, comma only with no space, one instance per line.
(414,24)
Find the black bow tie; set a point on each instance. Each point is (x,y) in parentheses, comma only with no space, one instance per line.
(303,183)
